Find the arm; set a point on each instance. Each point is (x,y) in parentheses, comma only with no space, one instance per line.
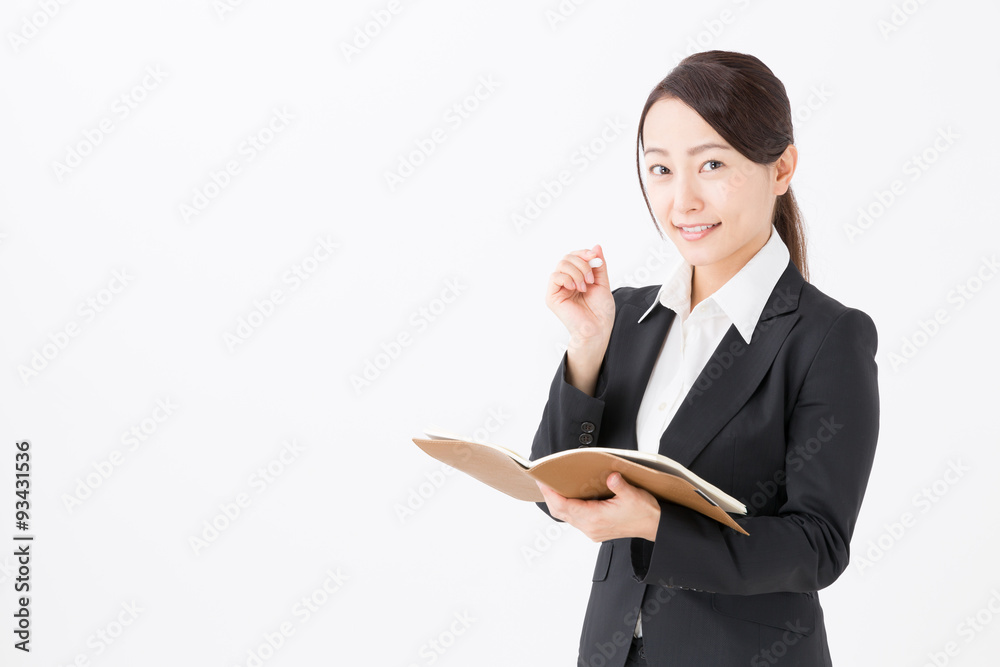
(568,408)
(576,400)
(806,546)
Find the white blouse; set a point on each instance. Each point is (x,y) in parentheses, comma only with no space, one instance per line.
(694,336)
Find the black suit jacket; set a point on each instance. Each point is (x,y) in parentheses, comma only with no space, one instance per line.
(788,424)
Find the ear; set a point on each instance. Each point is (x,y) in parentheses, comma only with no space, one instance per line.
(784,169)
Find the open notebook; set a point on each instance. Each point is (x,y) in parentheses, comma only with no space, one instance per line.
(580,473)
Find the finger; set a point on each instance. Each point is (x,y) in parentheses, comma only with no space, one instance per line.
(554,496)
(559,281)
(552,499)
(593,274)
(554,502)
(600,272)
(583,258)
(559,504)
(576,268)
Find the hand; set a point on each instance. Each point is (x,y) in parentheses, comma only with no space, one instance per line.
(632,512)
(588,313)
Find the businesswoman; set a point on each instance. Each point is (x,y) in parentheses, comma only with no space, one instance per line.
(737,368)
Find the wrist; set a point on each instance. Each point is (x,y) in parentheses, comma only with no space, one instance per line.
(588,348)
(652,525)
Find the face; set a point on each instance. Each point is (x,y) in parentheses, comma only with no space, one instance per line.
(694,178)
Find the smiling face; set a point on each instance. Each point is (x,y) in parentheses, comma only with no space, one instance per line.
(694,179)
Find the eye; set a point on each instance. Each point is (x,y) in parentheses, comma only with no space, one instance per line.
(714,162)
(658,173)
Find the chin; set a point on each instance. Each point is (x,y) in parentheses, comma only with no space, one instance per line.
(702,252)
(701,258)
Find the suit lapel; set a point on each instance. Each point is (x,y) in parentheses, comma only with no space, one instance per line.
(636,351)
(732,373)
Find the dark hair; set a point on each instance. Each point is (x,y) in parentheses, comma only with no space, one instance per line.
(747,105)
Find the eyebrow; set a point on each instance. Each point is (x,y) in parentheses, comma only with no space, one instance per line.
(691,151)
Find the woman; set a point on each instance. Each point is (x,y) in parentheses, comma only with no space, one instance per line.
(737,368)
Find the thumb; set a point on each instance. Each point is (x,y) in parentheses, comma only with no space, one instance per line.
(600,272)
(617,483)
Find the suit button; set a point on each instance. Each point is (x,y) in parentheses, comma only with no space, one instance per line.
(586,438)
(588,427)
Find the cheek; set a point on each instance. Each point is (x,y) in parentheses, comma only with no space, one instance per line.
(660,200)
(744,191)
(738,196)
(730,192)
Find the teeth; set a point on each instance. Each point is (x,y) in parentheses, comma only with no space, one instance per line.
(698,229)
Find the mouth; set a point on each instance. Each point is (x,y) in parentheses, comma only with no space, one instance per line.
(695,232)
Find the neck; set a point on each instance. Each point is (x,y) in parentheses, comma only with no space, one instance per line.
(706,280)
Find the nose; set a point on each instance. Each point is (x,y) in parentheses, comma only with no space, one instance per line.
(687,198)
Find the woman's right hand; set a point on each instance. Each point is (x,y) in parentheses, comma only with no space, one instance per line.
(581,298)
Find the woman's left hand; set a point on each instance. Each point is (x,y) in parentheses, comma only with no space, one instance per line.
(632,512)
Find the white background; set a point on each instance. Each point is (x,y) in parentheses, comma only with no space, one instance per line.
(405,548)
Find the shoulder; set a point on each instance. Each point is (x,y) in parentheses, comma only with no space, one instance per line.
(821,316)
(640,297)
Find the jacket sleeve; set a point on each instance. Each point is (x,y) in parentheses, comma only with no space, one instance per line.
(569,413)
(830,447)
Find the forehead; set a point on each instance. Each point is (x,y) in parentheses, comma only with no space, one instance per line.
(673,125)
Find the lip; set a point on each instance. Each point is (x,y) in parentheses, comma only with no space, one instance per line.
(694,236)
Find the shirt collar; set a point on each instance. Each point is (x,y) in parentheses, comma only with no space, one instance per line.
(743,297)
